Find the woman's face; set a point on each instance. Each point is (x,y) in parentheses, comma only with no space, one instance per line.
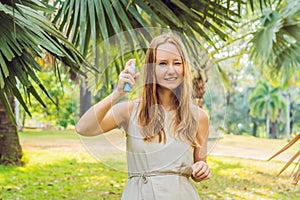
(169,66)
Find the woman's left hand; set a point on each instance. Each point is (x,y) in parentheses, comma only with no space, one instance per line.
(201,171)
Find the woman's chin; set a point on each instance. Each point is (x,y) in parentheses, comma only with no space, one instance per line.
(168,87)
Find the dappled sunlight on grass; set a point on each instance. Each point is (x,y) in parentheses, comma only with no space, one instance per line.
(65,178)
(77,175)
(247,179)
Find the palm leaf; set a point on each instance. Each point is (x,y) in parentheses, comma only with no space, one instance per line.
(6,104)
(26,36)
(224,78)
(297,174)
(108,18)
(276,44)
(289,162)
(288,145)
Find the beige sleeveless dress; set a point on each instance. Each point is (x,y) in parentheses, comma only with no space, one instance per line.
(156,170)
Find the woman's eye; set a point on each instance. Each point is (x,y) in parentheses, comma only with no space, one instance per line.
(162,64)
(177,63)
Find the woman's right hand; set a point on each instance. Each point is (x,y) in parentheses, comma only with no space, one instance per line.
(126,76)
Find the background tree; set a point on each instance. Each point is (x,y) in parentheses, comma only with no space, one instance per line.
(276,46)
(265,102)
(269,33)
(88,23)
(61,114)
(27,34)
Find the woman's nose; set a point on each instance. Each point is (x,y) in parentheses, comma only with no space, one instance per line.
(171,69)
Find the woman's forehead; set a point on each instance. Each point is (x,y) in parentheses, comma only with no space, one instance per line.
(167,49)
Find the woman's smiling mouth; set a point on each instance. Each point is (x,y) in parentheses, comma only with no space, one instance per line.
(171,79)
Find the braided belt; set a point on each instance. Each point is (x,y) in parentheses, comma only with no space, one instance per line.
(143,178)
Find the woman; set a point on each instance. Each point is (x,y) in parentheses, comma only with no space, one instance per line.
(166,132)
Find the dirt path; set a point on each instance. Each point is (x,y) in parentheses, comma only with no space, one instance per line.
(252,148)
(233,146)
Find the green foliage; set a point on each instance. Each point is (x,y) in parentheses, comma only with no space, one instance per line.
(276,43)
(96,21)
(267,103)
(266,100)
(90,25)
(26,35)
(86,23)
(61,111)
(238,120)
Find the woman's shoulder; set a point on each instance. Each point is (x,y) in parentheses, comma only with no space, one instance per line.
(202,118)
(199,113)
(125,108)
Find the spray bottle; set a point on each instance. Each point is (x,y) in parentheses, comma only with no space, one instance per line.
(127,87)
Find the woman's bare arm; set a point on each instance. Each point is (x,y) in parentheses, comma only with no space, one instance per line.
(103,116)
(200,168)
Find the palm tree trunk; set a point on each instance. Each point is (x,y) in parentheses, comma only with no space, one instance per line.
(10,148)
(274,129)
(268,115)
(254,130)
(85,97)
(23,120)
(288,130)
(267,125)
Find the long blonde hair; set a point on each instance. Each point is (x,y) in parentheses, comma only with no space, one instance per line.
(151,116)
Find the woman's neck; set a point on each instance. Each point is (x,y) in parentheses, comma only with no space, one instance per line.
(165,97)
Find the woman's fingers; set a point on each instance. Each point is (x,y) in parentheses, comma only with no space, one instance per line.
(129,71)
(129,62)
(203,175)
(127,67)
(127,76)
(201,171)
(137,75)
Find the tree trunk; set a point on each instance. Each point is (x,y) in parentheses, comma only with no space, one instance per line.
(267,123)
(274,129)
(254,130)
(85,98)
(23,120)
(10,148)
(291,122)
(288,128)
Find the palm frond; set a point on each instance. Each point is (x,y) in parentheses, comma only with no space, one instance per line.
(297,172)
(88,24)
(26,36)
(109,18)
(276,44)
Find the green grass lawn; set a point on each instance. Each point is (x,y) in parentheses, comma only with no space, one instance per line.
(74,175)
(65,134)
